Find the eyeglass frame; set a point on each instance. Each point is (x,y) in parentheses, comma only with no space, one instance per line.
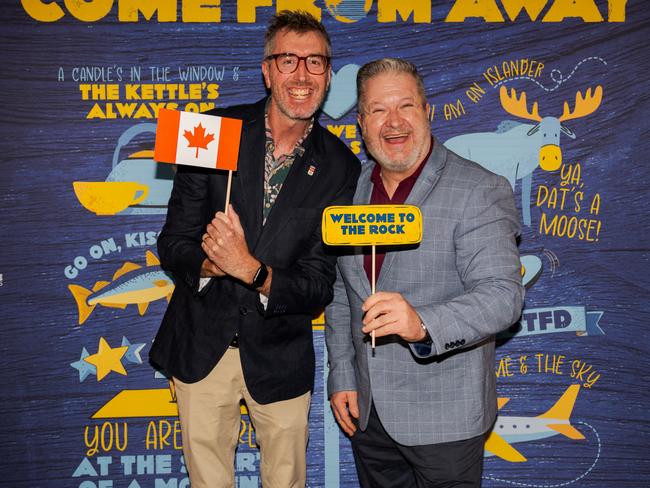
(275,57)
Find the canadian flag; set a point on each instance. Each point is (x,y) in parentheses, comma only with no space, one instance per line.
(195,139)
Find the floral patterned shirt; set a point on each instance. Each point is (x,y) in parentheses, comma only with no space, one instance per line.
(276,170)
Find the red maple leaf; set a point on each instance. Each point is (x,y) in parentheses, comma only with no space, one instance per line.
(198,138)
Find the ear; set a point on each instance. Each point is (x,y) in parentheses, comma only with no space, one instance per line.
(533,130)
(266,74)
(360,120)
(329,77)
(567,131)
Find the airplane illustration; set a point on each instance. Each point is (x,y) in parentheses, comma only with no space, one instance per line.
(510,430)
(531,269)
(132,284)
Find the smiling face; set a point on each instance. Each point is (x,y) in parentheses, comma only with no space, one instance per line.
(394,122)
(296,96)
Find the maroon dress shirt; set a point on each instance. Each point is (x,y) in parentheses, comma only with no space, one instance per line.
(380,197)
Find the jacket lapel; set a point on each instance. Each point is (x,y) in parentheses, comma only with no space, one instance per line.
(429,176)
(250,176)
(420,192)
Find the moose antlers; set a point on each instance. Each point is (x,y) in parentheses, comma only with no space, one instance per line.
(518,106)
(584,105)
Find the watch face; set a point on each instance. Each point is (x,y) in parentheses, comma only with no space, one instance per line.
(260,276)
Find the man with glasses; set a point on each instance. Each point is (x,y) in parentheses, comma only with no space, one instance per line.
(238,327)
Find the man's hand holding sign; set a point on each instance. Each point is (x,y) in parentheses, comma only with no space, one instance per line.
(388,313)
(371,225)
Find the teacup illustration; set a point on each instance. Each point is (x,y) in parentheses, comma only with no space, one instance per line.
(109,197)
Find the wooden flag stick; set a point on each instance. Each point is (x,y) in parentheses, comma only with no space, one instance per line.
(372,285)
(228,192)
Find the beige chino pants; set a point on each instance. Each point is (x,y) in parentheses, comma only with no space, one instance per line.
(210,421)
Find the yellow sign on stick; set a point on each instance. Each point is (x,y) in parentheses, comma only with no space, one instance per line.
(372,225)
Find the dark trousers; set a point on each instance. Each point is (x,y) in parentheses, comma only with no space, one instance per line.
(383,463)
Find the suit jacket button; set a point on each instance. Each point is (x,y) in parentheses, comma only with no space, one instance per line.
(243,310)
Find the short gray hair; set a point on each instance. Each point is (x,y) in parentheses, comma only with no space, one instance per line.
(298,21)
(387,65)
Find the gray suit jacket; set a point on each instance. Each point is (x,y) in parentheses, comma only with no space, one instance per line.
(464,281)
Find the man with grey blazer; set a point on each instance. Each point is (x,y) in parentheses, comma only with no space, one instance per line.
(417,407)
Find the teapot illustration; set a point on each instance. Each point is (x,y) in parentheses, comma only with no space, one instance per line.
(141,168)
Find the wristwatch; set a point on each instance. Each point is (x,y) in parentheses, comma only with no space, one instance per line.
(260,276)
(427,337)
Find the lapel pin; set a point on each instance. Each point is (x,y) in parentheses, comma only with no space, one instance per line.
(311,170)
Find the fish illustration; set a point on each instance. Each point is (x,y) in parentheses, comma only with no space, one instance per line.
(132,284)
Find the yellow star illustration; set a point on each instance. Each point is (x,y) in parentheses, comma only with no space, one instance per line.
(107,359)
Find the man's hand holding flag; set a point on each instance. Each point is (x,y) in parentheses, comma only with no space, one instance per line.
(209,141)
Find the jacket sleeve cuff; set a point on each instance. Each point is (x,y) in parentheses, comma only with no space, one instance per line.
(341,379)
(192,274)
(430,321)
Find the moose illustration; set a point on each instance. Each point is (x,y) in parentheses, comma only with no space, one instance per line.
(516,149)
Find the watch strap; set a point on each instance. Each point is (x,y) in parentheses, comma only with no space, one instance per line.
(260,276)
(427,337)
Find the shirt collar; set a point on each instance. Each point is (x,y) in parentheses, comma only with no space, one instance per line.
(298,148)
